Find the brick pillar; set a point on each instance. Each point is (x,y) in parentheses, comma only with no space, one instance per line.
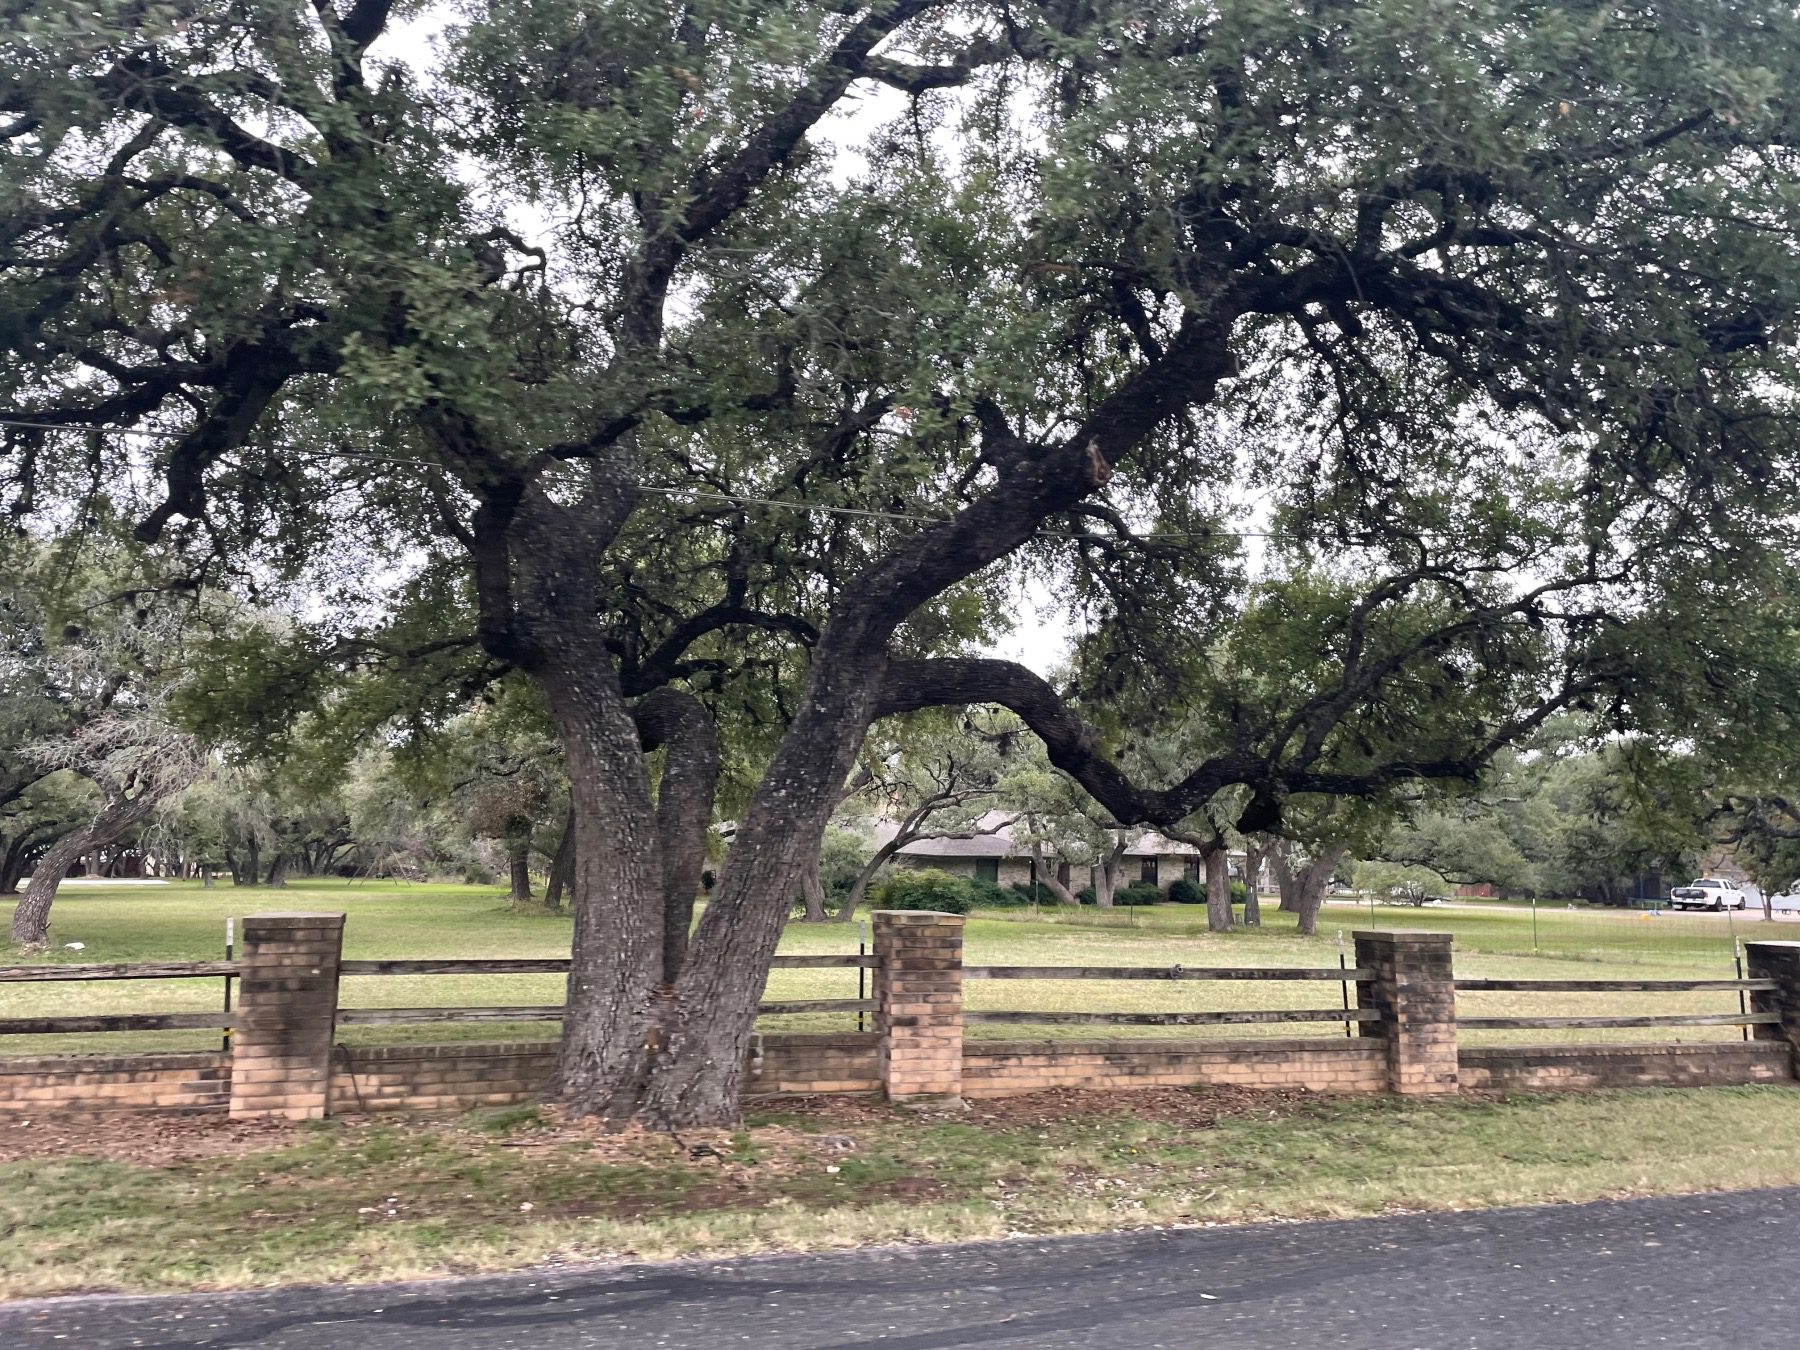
(286,1016)
(918,992)
(1413,989)
(1778,961)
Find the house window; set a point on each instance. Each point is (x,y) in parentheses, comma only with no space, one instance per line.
(1147,872)
(1190,868)
(987,869)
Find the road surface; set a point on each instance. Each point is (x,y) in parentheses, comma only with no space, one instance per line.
(1695,1272)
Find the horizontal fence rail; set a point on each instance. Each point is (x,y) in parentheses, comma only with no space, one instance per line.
(1610,986)
(459,966)
(553,1012)
(131,970)
(1185,1019)
(1165,973)
(44,1026)
(1654,1020)
(560,965)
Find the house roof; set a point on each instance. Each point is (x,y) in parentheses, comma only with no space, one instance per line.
(999,843)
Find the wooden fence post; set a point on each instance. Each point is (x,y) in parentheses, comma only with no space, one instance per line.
(1413,988)
(286,1016)
(918,992)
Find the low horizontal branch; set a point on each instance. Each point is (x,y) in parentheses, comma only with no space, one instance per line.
(1668,1020)
(129,970)
(1609,986)
(1166,973)
(48,1026)
(1185,1019)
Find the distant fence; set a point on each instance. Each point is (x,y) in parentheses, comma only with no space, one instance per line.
(1399,1004)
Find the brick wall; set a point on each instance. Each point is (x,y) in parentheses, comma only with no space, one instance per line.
(849,1063)
(1006,1068)
(439,1077)
(96,1084)
(1549,1068)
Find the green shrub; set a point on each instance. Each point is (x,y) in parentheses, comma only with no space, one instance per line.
(1185,892)
(990,895)
(1240,892)
(1022,893)
(1086,896)
(1139,893)
(926,888)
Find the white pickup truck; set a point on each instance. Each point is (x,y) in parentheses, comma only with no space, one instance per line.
(1706,893)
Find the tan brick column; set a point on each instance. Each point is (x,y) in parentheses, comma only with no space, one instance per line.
(918,990)
(1778,961)
(286,1016)
(1413,989)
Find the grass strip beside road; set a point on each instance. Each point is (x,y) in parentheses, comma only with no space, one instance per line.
(359,1201)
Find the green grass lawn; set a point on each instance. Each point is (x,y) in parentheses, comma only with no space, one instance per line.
(346,1201)
(176,922)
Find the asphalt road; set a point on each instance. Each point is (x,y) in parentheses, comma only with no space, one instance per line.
(1695,1272)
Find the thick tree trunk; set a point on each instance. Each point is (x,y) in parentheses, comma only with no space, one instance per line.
(518,868)
(1253,866)
(278,869)
(616,894)
(1313,880)
(1050,879)
(560,866)
(812,895)
(1287,875)
(1218,891)
(1106,882)
(206,876)
(697,1080)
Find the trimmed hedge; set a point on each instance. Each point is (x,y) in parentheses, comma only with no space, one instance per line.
(1184,892)
(926,888)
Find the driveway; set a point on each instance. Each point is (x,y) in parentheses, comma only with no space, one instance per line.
(1695,1272)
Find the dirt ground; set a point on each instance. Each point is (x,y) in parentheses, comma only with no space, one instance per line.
(802,1126)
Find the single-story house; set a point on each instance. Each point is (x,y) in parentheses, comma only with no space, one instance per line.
(1000,858)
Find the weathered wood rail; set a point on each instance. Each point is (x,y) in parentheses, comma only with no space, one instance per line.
(368,1016)
(130,970)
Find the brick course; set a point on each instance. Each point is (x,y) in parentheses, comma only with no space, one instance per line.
(1321,1064)
(1566,1068)
(97,1085)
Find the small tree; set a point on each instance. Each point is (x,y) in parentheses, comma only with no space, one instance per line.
(136,761)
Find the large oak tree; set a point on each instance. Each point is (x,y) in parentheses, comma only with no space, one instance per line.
(1489,301)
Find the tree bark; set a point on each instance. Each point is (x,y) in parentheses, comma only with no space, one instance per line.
(1253,866)
(560,866)
(812,894)
(1218,890)
(1313,881)
(1106,880)
(278,869)
(518,867)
